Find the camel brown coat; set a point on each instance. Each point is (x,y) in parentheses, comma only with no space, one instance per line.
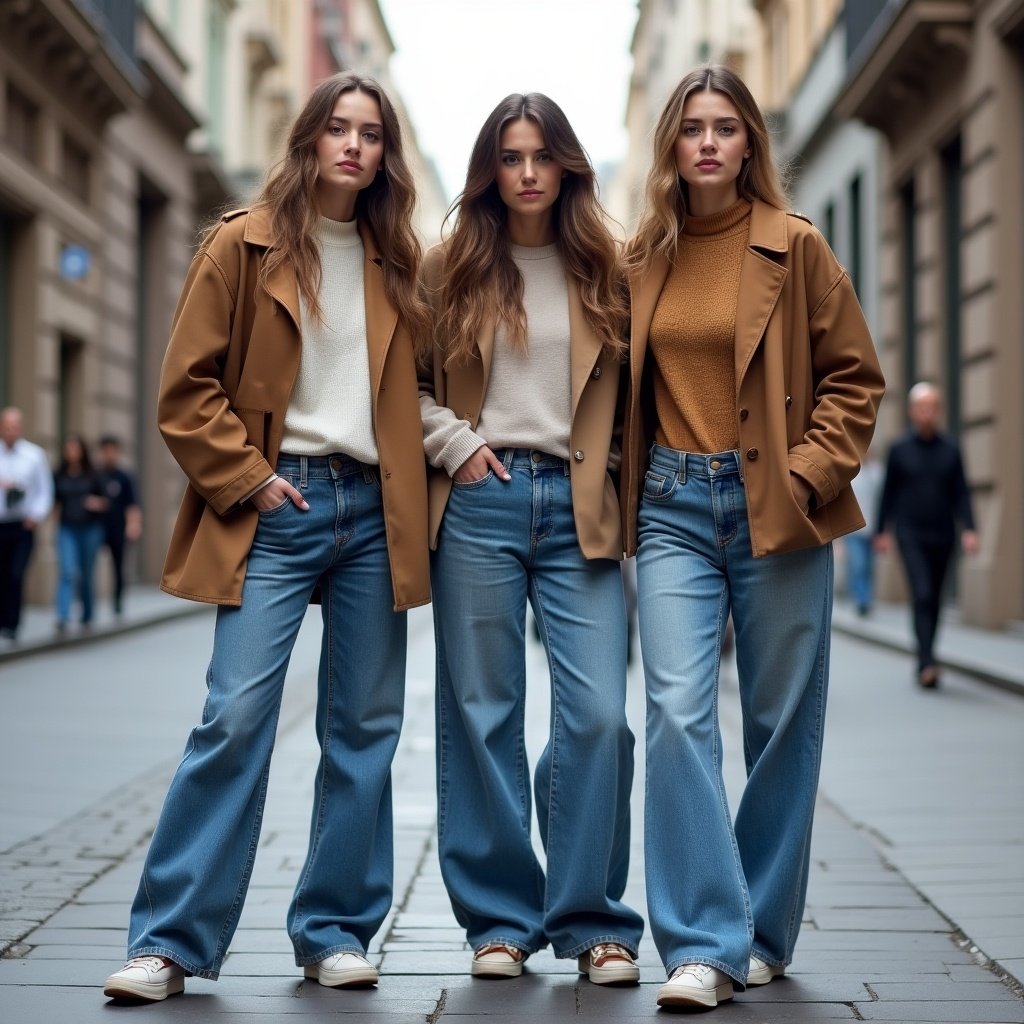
(226,381)
(808,385)
(595,389)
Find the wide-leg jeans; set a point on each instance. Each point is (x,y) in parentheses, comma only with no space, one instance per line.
(200,859)
(502,544)
(719,890)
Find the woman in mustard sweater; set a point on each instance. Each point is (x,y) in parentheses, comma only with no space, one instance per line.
(753,391)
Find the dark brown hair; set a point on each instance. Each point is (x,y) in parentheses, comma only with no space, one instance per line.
(481,279)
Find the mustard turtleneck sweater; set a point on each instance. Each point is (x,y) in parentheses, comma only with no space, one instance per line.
(693,335)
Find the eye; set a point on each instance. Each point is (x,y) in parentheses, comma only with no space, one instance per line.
(509,159)
(690,129)
(727,129)
(335,129)
(371,136)
(543,158)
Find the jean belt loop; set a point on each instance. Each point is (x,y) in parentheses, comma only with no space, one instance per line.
(739,465)
(682,468)
(507,456)
(566,467)
(369,473)
(303,471)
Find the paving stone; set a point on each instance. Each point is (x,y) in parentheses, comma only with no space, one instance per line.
(1005,1011)
(875,919)
(945,989)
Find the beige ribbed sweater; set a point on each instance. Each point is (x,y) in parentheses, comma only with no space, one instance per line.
(331,408)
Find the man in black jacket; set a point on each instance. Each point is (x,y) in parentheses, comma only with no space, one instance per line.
(925,500)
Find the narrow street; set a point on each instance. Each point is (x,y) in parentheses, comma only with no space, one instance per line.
(917,875)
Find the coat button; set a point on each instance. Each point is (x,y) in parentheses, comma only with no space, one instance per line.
(596,373)
(744,413)
(789,401)
(578,456)
(752,454)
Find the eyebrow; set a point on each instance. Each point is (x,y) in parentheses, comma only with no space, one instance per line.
(346,120)
(716,120)
(518,152)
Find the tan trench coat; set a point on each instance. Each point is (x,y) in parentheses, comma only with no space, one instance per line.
(808,385)
(595,389)
(225,385)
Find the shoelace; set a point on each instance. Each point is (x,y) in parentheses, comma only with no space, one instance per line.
(499,947)
(609,951)
(153,963)
(697,970)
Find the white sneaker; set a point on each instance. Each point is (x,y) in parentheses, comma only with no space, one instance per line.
(146,977)
(343,970)
(695,985)
(761,972)
(608,963)
(497,960)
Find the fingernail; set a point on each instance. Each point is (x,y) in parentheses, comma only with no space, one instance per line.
(305,506)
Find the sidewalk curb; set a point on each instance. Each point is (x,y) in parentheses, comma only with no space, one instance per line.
(968,666)
(54,643)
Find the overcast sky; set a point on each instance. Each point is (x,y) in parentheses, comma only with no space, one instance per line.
(456,59)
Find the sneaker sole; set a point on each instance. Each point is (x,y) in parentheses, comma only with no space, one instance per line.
(609,975)
(357,978)
(762,977)
(121,989)
(677,996)
(484,970)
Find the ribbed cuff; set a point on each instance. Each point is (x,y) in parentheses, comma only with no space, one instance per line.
(459,448)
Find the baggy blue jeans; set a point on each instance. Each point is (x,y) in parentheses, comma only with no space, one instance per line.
(719,890)
(200,859)
(501,544)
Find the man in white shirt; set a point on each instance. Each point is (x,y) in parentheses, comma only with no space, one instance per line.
(26,497)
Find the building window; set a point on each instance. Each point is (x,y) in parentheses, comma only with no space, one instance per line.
(75,168)
(856,267)
(22,124)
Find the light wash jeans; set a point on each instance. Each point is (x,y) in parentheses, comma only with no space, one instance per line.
(860,569)
(201,856)
(501,544)
(78,544)
(716,890)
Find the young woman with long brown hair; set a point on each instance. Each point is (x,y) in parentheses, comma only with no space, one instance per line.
(289,398)
(753,391)
(519,418)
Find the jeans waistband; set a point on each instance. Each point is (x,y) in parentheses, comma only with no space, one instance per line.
(686,464)
(530,458)
(323,467)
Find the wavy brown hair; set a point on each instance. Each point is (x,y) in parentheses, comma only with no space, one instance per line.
(666,194)
(386,204)
(481,279)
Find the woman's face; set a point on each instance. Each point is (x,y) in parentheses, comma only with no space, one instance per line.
(711,146)
(529,178)
(72,450)
(351,148)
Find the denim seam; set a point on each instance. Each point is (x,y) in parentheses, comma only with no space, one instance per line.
(498,940)
(597,940)
(708,961)
(341,947)
(190,969)
(555,720)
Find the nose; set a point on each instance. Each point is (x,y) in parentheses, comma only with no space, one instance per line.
(529,171)
(352,143)
(707,140)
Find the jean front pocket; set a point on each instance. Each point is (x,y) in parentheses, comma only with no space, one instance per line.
(659,486)
(470,485)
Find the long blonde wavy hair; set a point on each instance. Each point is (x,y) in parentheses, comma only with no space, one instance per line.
(386,205)
(666,194)
(481,279)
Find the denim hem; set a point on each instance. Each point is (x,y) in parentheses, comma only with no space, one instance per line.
(739,981)
(497,940)
(598,940)
(342,947)
(190,969)
(769,959)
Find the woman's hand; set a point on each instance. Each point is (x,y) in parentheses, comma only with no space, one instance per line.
(477,465)
(277,491)
(802,492)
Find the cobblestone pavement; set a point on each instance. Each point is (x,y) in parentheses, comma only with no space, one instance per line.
(880,940)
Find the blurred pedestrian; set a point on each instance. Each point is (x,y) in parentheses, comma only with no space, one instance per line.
(859,545)
(81,506)
(754,375)
(519,417)
(26,497)
(925,503)
(122,522)
(288,397)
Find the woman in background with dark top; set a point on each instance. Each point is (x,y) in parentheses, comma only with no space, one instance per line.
(78,496)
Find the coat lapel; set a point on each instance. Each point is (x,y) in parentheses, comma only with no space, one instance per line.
(381,315)
(584,345)
(644,293)
(761,281)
